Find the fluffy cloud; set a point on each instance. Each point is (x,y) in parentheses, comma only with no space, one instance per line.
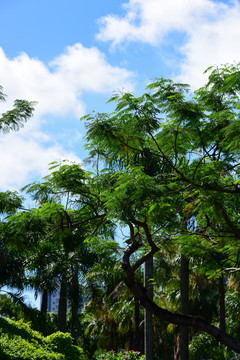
(57,87)
(210,28)
(87,69)
(148,21)
(23,159)
(212,43)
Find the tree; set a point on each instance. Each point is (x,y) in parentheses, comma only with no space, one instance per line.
(171,154)
(111,308)
(11,261)
(57,233)
(11,264)
(14,119)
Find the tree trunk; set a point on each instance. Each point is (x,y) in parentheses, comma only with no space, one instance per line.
(177,345)
(148,331)
(184,291)
(44,302)
(136,338)
(74,295)
(43,311)
(62,308)
(222,314)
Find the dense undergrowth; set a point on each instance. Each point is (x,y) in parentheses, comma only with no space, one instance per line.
(19,342)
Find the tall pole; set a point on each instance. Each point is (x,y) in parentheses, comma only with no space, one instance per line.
(148,328)
(184,292)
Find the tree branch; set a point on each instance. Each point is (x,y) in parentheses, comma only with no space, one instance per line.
(183,320)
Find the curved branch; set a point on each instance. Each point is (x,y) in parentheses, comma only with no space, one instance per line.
(140,292)
(183,320)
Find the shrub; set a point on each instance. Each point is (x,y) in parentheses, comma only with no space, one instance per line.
(63,343)
(204,346)
(20,328)
(13,347)
(19,342)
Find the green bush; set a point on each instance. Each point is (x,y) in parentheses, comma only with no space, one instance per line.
(16,348)
(19,342)
(63,343)
(205,347)
(20,328)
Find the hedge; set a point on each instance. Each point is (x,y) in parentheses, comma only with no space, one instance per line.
(19,342)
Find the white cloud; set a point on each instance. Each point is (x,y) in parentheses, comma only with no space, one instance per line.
(87,69)
(211,30)
(149,21)
(23,159)
(57,87)
(212,43)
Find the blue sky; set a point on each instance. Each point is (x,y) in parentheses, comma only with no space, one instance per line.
(71,55)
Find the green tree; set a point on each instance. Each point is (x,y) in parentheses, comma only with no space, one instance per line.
(11,261)
(173,159)
(52,235)
(110,311)
(11,264)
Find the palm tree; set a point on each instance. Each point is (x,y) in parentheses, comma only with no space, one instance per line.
(66,228)
(109,312)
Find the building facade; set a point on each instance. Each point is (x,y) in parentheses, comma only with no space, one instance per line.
(53,301)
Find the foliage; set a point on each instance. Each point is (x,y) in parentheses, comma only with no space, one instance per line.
(10,201)
(14,119)
(102,320)
(63,343)
(123,355)
(52,235)
(18,341)
(14,307)
(172,163)
(204,346)
(232,313)
(166,169)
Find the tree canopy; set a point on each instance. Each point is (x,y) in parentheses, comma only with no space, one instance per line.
(173,164)
(165,170)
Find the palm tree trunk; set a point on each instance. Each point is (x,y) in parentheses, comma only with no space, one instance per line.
(74,295)
(44,302)
(184,291)
(43,311)
(148,328)
(136,339)
(222,314)
(62,308)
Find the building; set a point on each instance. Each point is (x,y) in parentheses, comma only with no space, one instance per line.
(53,301)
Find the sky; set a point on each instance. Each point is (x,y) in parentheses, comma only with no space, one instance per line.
(71,56)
